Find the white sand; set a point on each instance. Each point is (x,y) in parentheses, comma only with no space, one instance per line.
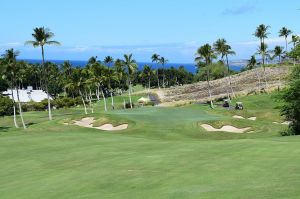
(238,117)
(227,128)
(85,122)
(110,127)
(88,123)
(284,123)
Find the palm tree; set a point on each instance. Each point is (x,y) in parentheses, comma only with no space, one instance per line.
(163,61)
(262,33)
(295,41)
(118,67)
(13,72)
(278,52)
(42,37)
(251,63)
(219,47)
(108,60)
(92,60)
(223,49)
(284,32)
(99,78)
(131,67)
(262,50)
(155,58)
(111,75)
(147,72)
(206,52)
(78,84)
(66,70)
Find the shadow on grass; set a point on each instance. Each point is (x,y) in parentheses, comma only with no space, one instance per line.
(4,128)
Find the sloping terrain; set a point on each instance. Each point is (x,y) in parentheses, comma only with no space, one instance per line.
(242,84)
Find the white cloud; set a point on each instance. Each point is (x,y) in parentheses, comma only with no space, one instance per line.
(11,44)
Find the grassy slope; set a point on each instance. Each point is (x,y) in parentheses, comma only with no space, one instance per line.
(164,154)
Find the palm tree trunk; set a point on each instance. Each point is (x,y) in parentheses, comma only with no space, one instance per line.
(129,94)
(46,84)
(259,83)
(209,90)
(98,92)
(112,100)
(14,107)
(85,110)
(149,83)
(20,109)
(230,83)
(158,80)
(90,100)
(104,100)
(265,77)
(163,77)
(294,57)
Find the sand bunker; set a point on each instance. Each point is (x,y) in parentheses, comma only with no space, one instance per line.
(227,128)
(110,127)
(284,123)
(88,123)
(240,117)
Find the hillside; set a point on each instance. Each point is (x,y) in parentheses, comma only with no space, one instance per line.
(242,83)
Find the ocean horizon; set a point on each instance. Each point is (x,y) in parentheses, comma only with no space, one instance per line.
(80,63)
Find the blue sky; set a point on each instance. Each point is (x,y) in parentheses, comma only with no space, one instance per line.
(174,29)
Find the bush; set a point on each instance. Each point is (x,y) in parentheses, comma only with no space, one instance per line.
(291,108)
(6,106)
(127,105)
(64,102)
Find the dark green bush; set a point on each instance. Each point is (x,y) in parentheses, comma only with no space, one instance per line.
(6,106)
(66,102)
(291,98)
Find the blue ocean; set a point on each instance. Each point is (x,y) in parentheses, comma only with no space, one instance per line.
(188,66)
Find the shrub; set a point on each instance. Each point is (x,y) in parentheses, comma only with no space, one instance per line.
(127,105)
(291,108)
(64,102)
(6,106)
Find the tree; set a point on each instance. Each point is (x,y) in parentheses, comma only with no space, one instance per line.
(108,60)
(155,58)
(278,52)
(206,53)
(262,33)
(67,71)
(78,84)
(111,76)
(42,37)
(295,41)
(284,32)
(13,73)
(131,67)
(291,108)
(99,78)
(147,73)
(251,63)
(163,61)
(262,50)
(223,49)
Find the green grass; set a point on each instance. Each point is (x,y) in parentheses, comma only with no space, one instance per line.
(163,154)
